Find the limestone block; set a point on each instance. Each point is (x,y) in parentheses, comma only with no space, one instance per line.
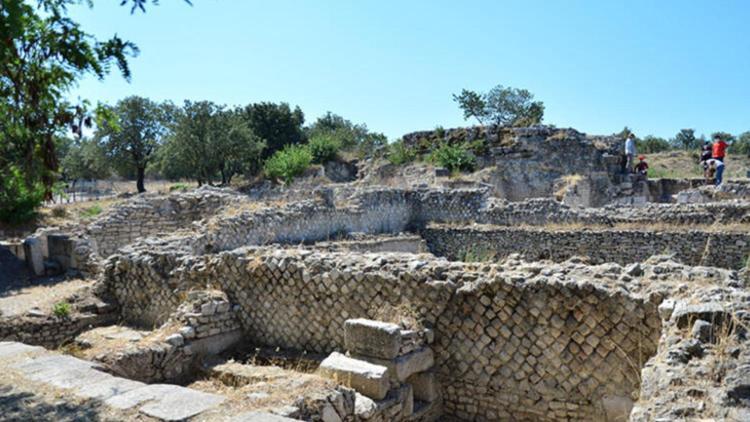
(372,338)
(424,386)
(402,367)
(32,247)
(366,378)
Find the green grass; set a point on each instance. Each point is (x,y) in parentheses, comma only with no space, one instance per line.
(91,211)
(61,309)
(179,187)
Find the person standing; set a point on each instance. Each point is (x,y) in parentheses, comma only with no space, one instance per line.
(719,149)
(629,153)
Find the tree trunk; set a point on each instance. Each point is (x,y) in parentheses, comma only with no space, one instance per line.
(139,183)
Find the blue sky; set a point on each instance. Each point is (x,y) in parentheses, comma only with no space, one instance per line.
(656,66)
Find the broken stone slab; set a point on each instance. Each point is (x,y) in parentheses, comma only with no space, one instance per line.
(181,404)
(10,349)
(109,387)
(372,338)
(260,417)
(402,367)
(366,378)
(166,402)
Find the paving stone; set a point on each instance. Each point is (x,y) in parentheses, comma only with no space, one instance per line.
(10,349)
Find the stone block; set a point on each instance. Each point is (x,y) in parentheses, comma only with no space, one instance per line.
(372,338)
(424,386)
(402,367)
(32,248)
(366,378)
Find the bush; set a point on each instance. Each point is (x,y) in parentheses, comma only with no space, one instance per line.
(179,187)
(454,158)
(18,202)
(288,163)
(651,144)
(61,309)
(91,211)
(59,211)
(324,148)
(399,153)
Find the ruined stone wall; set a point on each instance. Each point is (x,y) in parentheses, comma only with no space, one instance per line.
(726,250)
(148,215)
(50,331)
(528,162)
(518,342)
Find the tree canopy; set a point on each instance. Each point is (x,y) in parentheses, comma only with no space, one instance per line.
(134,130)
(43,54)
(209,143)
(501,106)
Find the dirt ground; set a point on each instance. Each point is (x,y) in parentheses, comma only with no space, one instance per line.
(43,294)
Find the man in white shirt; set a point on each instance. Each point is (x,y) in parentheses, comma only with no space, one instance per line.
(629,153)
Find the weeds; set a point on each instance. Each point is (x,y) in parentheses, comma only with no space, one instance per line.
(91,211)
(400,154)
(61,309)
(477,254)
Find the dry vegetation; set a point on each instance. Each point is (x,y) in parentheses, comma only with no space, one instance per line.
(684,164)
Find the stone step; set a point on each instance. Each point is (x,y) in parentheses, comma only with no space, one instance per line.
(366,378)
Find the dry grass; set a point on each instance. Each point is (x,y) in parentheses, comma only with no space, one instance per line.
(566,183)
(684,164)
(404,314)
(267,387)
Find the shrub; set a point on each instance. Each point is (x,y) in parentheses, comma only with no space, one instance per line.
(18,202)
(399,153)
(91,211)
(323,148)
(651,144)
(179,187)
(288,163)
(61,309)
(454,158)
(59,211)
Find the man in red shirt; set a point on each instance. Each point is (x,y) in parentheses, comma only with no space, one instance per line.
(719,149)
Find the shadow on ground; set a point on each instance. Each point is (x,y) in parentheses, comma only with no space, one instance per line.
(24,406)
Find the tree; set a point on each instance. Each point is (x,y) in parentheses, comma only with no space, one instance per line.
(85,159)
(686,140)
(501,106)
(725,136)
(651,144)
(276,124)
(133,133)
(346,133)
(42,56)
(210,142)
(742,144)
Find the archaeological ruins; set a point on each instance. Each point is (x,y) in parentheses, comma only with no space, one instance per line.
(546,286)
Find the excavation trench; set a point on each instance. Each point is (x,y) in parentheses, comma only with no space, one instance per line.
(527,343)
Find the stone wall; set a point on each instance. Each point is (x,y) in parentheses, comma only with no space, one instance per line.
(529,162)
(50,331)
(694,247)
(148,214)
(509,341)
